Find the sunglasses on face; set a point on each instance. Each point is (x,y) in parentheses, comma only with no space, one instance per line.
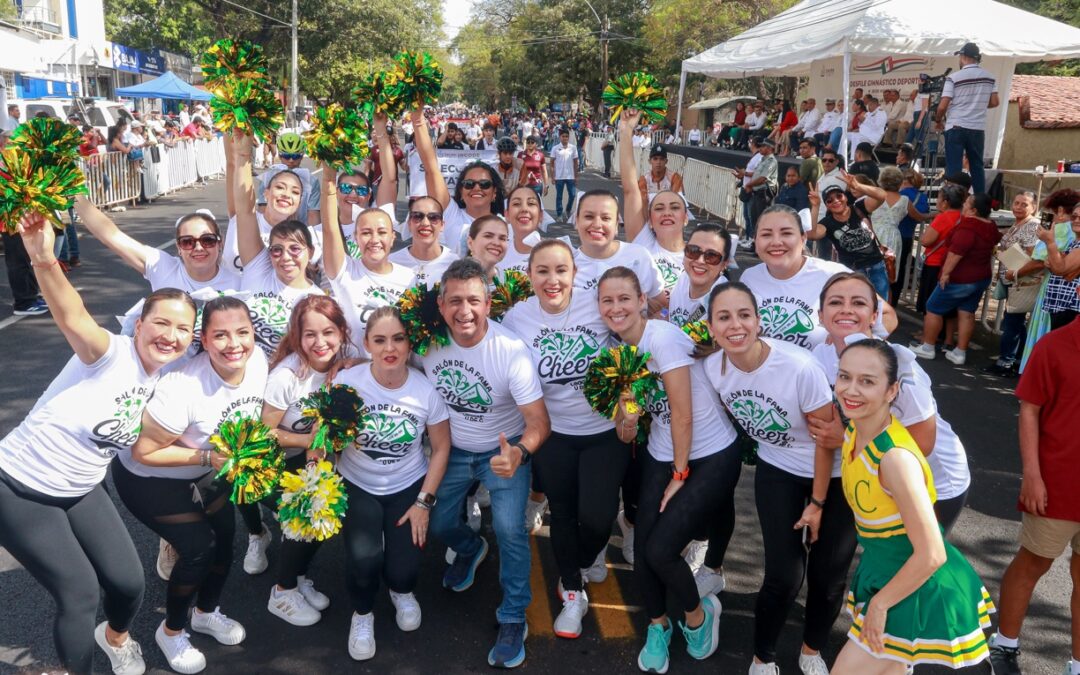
(349,188)
(828,160)
(207,241)
(294,250)
(834,198)
(291,156)
(693,252)
(482,184)
(419,217)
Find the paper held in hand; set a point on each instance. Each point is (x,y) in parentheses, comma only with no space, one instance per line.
(1014,257)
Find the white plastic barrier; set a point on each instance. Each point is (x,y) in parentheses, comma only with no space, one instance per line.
(110,178)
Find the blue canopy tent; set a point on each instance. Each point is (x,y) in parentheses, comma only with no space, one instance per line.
(165,86)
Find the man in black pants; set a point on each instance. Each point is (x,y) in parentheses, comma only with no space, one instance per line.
(24,288)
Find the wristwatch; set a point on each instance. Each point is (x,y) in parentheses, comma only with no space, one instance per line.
(679,475)
(526,456)
(426,500)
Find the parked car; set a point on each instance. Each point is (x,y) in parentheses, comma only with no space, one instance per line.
(101,114)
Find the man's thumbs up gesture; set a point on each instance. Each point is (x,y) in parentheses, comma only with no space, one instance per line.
(507,461)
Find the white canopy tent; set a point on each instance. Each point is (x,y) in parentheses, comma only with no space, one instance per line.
(880,44)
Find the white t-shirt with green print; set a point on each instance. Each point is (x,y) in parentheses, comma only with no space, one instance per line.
(271,301)
(789,307)
(360,292)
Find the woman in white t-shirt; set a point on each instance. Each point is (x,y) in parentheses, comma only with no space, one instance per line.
(788,282)
(278,274)
(657,225)
(705,259)
(489,237)
(390,483)
(582,463)
(425,255)
(525,214)
(771,389)
(167,480)
(688,474)
(848,309)
(355,193)
(55,517)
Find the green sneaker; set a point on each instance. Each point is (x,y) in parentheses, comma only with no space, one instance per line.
(702,641)
(653,657)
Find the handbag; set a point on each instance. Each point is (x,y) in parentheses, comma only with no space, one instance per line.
(135,155)
(745,195)
(1021,299)
(887,254)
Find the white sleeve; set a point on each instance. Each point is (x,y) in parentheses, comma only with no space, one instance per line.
(231,249)
(813,387)
(170,405)
(521,374)
(673,353)
(914,403)
(652,282)
(281,388)
(437,408)
(153,258)
(258,274)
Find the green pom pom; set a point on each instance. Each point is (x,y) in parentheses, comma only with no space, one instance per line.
(339,137)
(339,413)
(247,106)
(231,61)
(416,79)
(424,324)
(313,502)
(49,141)
(639,91)
(614,371)
(254,461)
(511,287)
(699,332)
(373,97)
(29,186)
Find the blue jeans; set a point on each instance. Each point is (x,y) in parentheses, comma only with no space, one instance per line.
(508,497)
(834,138)
(960,142)
(70,247)
(878,276)
(1013,331)
(961,297)
(539,190)
(571,193)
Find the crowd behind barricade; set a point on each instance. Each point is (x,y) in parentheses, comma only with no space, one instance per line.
(789,368)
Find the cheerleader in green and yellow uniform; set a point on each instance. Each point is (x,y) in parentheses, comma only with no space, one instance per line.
(914,599)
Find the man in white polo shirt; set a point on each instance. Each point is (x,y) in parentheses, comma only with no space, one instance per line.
(564,166)
(967,95)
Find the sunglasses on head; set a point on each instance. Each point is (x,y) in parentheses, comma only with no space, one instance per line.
(294,250)
(693,252)
(291,156)
(432,217)
(469,184)
(207,241)
(349,188)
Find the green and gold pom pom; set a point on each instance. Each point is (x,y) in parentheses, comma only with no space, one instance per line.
(49,141)
(511,287)
(415,80)
(614,371)
(246,105)
(639,91)
(339,137)
(419,309)
(312,503)
(338,414)
(27,187)
(231,61)
(254,461)
(698,332)
(372,97)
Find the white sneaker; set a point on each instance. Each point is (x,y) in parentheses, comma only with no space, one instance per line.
(182,657)
(472,513)
(695,555)
(291,607)
(597,572)
(483,497)
(255,561)
(126,659)
(362,636)
(314,598)
(574,606)
(925,351)
(534,515)
(408,611)
(709,581)
(218,626)
(627,538)
(956,357)
(812,664)
(764,668)
(166,559)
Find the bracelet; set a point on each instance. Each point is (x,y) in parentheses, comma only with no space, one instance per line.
(820,503)
(204,458)
(421,505)
(44,266)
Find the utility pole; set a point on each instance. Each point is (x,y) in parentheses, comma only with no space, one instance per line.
(604,28)
(293,95)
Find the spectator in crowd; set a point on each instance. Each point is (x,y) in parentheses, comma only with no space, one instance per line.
(582,132)
(808,123)
(745,176)
(967,95)
(509,166)
(486,142)
(729,133)
(793,192)
(184,116)
(25,293)
(905,157)
(659,177)
(911,187)
(763,186)
(564,167)
(753,126)
(9,112)
(786,121)
(1059,299)
(964,277)
(851,235)
(810,168)
(935,242)
(693,137)
(1049,500)
(920,115)
(864,163)
(534,172)
(375,173)
(830,120)
(608,148)
(896,125)
(449,139)
(871,127)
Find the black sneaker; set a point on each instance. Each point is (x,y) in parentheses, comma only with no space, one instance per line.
(509,649)
(461,573)
(1005,660)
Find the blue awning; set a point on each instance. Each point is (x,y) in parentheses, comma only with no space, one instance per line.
(166,86)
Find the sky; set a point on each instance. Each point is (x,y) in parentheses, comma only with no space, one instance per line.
(455,15)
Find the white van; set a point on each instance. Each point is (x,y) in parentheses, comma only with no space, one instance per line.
(98,113)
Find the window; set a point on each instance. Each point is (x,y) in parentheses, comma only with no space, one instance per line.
(32,109)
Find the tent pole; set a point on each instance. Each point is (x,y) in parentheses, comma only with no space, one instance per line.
(1004,85)
(843,97)
(678,109)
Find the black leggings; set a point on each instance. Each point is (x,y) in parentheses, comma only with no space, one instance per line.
(198,521)
(948,510)
(781,498)
(376,546)
(631,484)
(660,537)
(74,547)
(582,475)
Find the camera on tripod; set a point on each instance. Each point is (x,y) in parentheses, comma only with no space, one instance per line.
(932,84)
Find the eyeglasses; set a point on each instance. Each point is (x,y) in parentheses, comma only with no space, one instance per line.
(349,188)
(482,184)
(835,197)
(294,250)
(828,160)
(291,156)
(419,216)
(207,241)
(693,252)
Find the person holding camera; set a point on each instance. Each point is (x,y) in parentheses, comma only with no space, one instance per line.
(965,98)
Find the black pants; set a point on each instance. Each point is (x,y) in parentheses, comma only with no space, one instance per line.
(660,538)
(582,475)
(948,510)
(376,546)
(928,279)
(781,498)
(608,151)
(199,524)
(901,270)
(24,286)
(760,200)
(75,547)
(1062,318)
(631,485)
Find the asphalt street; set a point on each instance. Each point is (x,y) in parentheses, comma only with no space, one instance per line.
(458,629)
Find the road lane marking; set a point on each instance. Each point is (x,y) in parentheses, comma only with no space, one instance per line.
(609,608)
(538,613)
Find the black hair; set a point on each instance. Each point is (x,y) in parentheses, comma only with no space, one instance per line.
(885,351)
(865,148)
(982,203)
(297,231)
(599,192)
(810,141)
(221,303)
(496,182)
(163,294)
(718,230)
(907,149)
(463,269)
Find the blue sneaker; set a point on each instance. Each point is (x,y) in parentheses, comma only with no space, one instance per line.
(653,657)
(701,642)
(509,649)
(461,573)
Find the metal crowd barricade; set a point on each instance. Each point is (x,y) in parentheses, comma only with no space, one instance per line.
(110,178)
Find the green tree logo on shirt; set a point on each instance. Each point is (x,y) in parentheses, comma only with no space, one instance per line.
(565,357)
(780,321)
(386,438)
(762,421)
(463,391)
(122,428)
(668,271)
(270,318)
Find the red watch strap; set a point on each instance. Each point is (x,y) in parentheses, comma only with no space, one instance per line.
(680,475)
